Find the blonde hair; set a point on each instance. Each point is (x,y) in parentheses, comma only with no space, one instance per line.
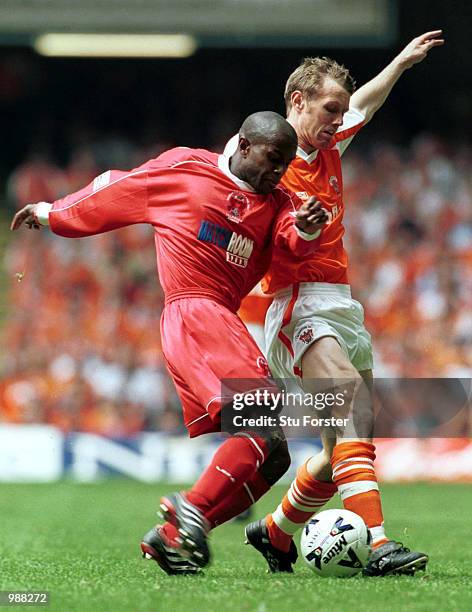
(309,76)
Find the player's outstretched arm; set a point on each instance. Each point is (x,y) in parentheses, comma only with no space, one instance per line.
(370,97)
(114,199)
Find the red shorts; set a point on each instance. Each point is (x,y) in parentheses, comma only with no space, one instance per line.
(203,342)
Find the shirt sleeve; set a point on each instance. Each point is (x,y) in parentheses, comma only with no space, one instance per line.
(288,236)
(114,199)
(352,122)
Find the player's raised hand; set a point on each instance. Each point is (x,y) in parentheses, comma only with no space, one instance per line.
(311,217)
(418,48)
(26,215)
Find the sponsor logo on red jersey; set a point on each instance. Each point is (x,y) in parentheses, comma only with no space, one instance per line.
(238,247)
(238,204)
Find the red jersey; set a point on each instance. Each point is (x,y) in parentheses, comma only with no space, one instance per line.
(318,174)
(254,306)
(213,233)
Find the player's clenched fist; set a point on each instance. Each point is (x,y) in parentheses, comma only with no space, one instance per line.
(311,217)
(26,215)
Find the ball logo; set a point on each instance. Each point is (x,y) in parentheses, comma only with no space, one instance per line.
(315,556)
(339,527)
(238,204)
(335,549)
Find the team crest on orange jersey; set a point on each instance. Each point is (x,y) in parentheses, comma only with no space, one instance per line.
(306,335)
(238,203)
(333,181)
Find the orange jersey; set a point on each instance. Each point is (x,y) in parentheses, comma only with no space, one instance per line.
(318,174)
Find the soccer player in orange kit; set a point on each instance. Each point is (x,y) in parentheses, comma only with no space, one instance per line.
(215,217)
(314,329)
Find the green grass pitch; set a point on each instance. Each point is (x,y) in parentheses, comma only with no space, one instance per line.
(80,542)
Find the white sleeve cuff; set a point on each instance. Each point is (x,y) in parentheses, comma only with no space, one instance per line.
(306,235)
(42,212)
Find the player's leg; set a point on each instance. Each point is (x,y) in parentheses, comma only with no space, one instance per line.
(311,489)
(306,494)
(218,348)
(352,464)
(353,456)
(242,469)
(313,486)
(254,488)
(325,337)
(325,359)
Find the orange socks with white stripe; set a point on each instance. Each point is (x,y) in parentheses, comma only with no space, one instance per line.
(354,475)
(305,497)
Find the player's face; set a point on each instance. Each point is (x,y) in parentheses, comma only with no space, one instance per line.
(321,116)
(266,163)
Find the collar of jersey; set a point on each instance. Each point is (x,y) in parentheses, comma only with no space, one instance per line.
(223,164)
(308,157)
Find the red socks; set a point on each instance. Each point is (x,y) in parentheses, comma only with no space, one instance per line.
(240,500)
(233,465)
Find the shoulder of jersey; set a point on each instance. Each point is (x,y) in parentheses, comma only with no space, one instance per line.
(180,155)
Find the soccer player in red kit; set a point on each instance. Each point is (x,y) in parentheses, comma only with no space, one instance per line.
(314,329)
(215,219)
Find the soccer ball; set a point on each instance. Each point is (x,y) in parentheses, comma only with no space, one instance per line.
(336,543)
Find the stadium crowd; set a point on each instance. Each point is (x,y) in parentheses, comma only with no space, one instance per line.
(81,339)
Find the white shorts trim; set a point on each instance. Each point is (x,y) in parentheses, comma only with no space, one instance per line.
(317,289)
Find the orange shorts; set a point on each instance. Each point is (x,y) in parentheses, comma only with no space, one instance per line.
(204,343)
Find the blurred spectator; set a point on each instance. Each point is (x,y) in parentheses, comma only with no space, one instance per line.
(36,179)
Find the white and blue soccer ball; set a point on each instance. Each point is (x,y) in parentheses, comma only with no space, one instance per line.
(336,543)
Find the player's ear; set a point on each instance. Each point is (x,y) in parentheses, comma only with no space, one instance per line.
(244,145)
(298,101)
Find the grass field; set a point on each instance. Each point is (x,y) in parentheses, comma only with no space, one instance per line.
(80,542)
